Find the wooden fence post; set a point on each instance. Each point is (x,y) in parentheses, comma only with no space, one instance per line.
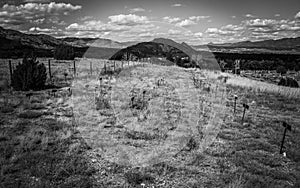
(74,66)
(235,98)
(49,69)
(287,127)
(246,107)
(10,71)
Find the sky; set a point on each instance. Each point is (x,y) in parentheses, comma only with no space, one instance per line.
(191,21)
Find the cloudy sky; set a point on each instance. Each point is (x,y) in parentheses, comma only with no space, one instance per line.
(191,21)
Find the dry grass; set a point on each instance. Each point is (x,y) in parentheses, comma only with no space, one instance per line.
(166,113)
(258,86)
(180,133)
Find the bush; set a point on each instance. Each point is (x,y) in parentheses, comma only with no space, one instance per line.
(30,75)
(281,70)
(288,82)
(63,52)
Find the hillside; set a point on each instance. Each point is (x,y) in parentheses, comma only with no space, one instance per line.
(180,54)
(15,44)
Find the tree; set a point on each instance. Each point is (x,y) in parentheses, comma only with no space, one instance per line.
(30,75)
(64,52)
(281,69)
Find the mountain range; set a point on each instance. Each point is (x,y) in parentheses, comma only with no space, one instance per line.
(15,44)
(284,44)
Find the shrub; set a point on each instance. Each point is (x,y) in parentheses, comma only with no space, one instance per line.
(288,82)
(30,75)
(63,52)
(281,70)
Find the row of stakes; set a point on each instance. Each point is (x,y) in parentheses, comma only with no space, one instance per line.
(286,126)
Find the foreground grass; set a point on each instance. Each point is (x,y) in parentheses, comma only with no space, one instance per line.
(40,147)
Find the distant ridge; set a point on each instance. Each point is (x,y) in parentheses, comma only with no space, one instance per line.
(15,44)
(280,44)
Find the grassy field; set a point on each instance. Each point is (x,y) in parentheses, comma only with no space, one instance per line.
(150,126)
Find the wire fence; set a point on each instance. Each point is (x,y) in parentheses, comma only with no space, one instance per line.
(58,70)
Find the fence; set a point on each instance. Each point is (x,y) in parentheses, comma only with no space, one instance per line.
(59,70)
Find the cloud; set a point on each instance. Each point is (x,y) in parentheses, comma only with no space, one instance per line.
(138,9)
(48,31)
(34,12)
(36,1)
(212,30)
(185,23)
(129,20)
(254,29)
(263,22)
(174,32)
(277,15)
(192,20)
(198,18)
(37,29)
(171,20)
(177,5)
(231,27)
(297,16)
(86,18)
(199,34)
(249,16)
(95,25)
(38,21)
(33,8)
(116,28)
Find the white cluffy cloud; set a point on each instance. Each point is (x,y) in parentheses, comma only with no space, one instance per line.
(16,15)
(138,9)
(129,20)
(177,5)
(187,22)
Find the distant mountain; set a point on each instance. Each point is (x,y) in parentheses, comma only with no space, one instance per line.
(15,44)
(291,44)
(97,42)
(18,38)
